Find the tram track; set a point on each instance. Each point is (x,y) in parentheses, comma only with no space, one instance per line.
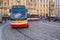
(24,34)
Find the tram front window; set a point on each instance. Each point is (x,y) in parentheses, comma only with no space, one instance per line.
(16,14)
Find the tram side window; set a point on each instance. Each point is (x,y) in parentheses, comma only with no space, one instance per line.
(35,16)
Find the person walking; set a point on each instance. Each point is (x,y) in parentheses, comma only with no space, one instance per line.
(43,18)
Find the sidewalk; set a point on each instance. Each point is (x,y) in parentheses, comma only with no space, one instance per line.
(1,28)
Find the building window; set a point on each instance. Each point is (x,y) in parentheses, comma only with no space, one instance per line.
(46,1)
(40,5)
(11,3)
(23,0)
(56,5)
(30,4)
(40,0)
(5,3)
(35,5)
(46,5)
(44,10)
(37,10)
(43,0)
(41,10)
(30,0)
(43,5)
(34,0)
(1,2)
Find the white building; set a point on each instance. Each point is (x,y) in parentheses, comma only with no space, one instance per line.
(57,8)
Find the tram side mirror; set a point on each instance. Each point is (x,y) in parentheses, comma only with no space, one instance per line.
(26,10)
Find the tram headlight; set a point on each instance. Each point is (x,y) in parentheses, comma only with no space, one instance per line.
(25,21)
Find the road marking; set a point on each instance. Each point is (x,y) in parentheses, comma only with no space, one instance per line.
(1,31)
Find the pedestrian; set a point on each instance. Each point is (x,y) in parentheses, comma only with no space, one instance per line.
(5,19)
(43,18)
(40,17)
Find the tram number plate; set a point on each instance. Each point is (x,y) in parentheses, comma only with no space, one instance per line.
(18,21)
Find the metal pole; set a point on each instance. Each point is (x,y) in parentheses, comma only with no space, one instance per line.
(49,11)
(58,9)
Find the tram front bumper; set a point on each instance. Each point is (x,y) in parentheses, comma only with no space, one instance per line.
(19,25)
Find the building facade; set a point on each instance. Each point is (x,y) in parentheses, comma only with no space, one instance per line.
(52,7)
(57,8)
(1,6)
(5,7)
(40,7)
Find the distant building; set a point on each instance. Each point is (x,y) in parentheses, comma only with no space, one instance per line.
(57,8)
(40,7)
(5,7)
(1,2)
(52,7)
